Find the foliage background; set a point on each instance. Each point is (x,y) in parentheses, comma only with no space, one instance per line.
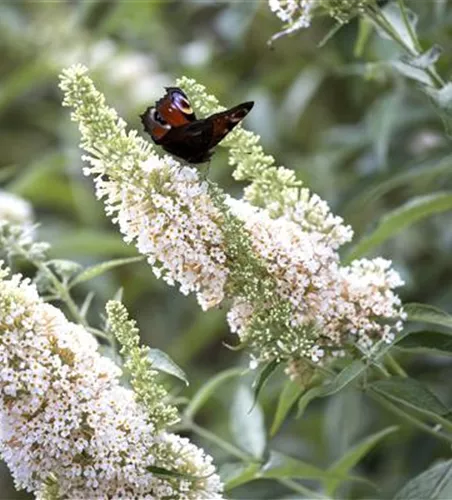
(357,133)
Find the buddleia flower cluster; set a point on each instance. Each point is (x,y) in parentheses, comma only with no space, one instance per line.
(297,237)
(69,429)
(272,255)
(298,14)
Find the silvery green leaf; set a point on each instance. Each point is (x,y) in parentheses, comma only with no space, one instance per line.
(395,18)
(412,72)
(248,426)
(426,59)
(162,362)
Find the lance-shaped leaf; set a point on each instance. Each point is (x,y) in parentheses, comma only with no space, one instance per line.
(392,223)
(435,484)
(248,426)
(343,466)
(411,393)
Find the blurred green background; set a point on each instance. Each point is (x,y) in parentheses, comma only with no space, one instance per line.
(356,132)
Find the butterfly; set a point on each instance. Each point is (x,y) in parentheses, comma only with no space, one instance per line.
(173,125)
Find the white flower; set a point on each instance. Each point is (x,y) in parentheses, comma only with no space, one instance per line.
(296,13)
(14,209)
(64,415)
(324,297)
(171,218)
(280,266)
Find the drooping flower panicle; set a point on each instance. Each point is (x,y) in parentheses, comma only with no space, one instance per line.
(68,424)
(162,207)
(274,253)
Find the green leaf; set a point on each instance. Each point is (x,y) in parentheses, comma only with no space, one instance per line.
(247,426)
(396,19)
(411,393)
(299,95)
(343,421)
(163,363)
(290,393)
(423,175)
(342,379)
(208,389)
(262,378)
(410,71)
(343,466)
(26,77)
(381,120)
(425,313)
(98,269)
(427,59)
(442,101)
(364,34)
(86,304)
(416,209)
(437,343)
(236,474)
(282,466)
(433,484)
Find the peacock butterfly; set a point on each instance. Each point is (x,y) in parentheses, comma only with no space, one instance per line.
(173,125)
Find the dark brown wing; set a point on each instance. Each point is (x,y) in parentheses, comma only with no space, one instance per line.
(194,141)
(225,121)
(190,142)
(173,125)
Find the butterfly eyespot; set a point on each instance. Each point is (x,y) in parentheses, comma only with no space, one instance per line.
(183,104)
(155,115)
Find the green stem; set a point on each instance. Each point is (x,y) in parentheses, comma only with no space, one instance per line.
(63,293)
(299,488)
(397,369)
(408,25)
(431,71)
(221,443)
(409,418)
(233,450)
(380,20)
(443,422)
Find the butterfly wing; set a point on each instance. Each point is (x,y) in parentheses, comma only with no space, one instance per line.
(194,141)
(172,124)
(225,121)
(173,110)
(190,142)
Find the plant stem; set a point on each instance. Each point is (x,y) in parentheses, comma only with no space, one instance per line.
(233,450)
(408,25)
(398,370)
(379,19)
(432,71)
(225,445)
(63,293)
(299,488)
(409,418)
